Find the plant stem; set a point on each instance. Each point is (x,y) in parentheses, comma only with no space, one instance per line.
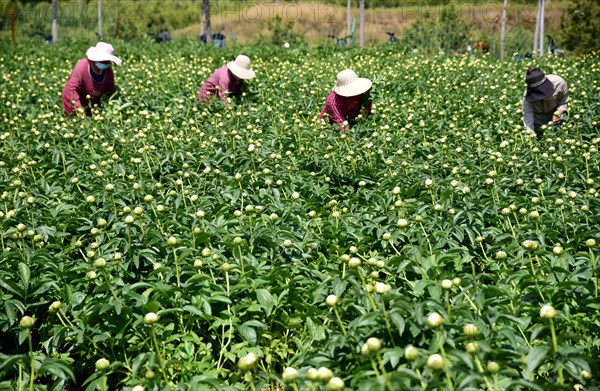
(554,341)
(423,384)
(533,275)
(384,372)
(594,277)
(364,283)
(426,237)
(160,360)
(340,321)
(176,268)
(480,369)
(20,377)
(438,334)
(32,376)
(241,259)
(470,301)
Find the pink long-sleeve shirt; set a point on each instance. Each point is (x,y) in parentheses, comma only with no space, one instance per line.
(223,78)
(81,84)
(341,108)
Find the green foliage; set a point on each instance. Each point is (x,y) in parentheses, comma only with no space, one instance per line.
(171,245)
(414,3)
(581,27)
(131,19)
(453,31)
(448,33)
(281,31)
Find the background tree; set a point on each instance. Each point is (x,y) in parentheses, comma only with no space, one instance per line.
(205,26)
(453,31)
(581,26)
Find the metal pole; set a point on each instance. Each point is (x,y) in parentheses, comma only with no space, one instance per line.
(542,14)
(536,36)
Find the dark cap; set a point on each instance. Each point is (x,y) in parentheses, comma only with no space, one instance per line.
(538,85)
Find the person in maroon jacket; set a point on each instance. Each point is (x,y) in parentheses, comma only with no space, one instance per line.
(226,81)
(348,99)
(91,78)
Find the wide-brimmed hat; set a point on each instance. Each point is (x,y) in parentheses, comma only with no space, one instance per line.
(349,84)
(538,85)
(102,52)
(241,67)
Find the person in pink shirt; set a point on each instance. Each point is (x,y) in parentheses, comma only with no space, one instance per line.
(348,100)
(226,81)
(91,78)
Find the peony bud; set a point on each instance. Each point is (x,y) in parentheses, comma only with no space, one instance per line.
(447,284)
(335,384)
(411,353)
(435,362)
(102,364)
(472,347)
(470,330)
(26,322)
(289,374)
(331,300)
(150,318)
(324,374)
(247,362)
(493,367)
(547,312)
(435,320)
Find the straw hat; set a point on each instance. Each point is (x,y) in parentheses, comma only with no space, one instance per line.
(538,85)
(241,67)
(349,84)
(102,52)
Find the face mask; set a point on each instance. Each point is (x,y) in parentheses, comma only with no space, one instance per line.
(102,66)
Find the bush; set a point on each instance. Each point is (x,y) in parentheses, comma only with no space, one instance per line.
(582,27)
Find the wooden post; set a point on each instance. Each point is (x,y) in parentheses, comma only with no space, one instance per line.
(13,16)
(117,27)
(503,29)
(205,25)
(349,17)
(54,21)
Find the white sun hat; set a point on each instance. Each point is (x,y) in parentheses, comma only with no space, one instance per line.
(102,52)
(349,84)
(241,67)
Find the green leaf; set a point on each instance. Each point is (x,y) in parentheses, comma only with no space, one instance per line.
(265,300)
(535,357)
(58,368)
(398,321)
(523,321)
(316,331)
(248,333)
(193,310)
(393,356)
(513,385)
(25,274)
